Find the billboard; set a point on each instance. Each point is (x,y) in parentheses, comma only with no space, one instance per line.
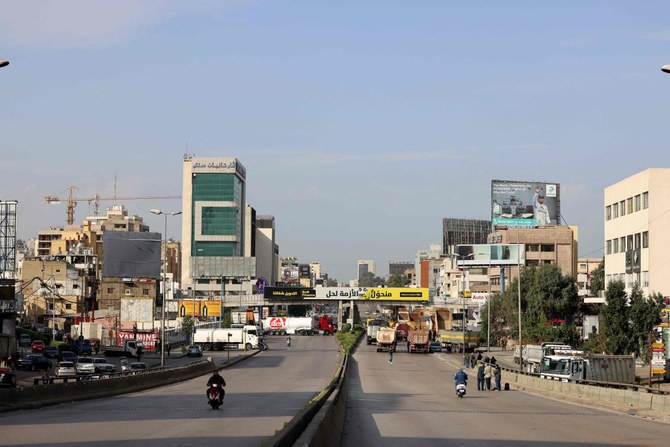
(202,308)
(290,274)
(137,309)
(524,204)
(346,294)
(131,254)
(490,254)
(305,271)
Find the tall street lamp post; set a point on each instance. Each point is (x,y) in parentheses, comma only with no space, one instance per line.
(164,265)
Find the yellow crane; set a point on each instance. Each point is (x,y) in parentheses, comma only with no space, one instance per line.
(96,199)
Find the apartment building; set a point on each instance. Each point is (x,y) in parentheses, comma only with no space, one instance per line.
(636,236)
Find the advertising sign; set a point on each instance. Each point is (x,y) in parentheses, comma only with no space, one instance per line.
(202,308)
(149,339)
(395,294)
(490,254)
(305,271)
(524,204)
(665,317)
(137,309)
(288,293)
(290,274)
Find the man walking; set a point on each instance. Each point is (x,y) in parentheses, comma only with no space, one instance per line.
(488,373)
(497,374)
(480,377)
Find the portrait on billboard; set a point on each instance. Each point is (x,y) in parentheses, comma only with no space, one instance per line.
(524,204)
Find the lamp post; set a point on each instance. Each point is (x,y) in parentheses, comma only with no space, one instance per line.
(165,214)
(518,283)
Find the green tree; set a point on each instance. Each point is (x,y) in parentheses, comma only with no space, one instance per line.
(598,279)
(616,320)
(187,325)
(644,315)
(227,319)
(368,279)
(398,281)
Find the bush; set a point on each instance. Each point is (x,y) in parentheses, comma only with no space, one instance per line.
(357,328)
(346,327)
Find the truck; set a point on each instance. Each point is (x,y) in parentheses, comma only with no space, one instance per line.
(290,325)
(326,325)
(129,348)
(456,341)
(247,336)
(589,367)
(373,328)
(386,339)
(401,331)
(533,355)
(418,340)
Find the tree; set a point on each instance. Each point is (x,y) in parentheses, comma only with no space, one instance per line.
(398,281)
(644,315)
(187,325)
(615,318)
(227,319)
(368,279)
(598,279)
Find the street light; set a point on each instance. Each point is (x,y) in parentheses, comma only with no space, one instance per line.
(665,68)
(166,214)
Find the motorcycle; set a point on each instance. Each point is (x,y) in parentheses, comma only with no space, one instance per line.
(460,389)
(213,396)
(262,345)
(288,342)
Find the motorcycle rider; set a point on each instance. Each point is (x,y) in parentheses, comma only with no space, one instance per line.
(288,342)
(460,377)
(217,379)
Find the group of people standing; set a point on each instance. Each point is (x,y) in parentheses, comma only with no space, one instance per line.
(487,369)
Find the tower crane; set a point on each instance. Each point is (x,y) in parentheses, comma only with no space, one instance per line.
(96,199)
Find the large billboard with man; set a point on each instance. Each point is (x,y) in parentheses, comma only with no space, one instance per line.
(524,204)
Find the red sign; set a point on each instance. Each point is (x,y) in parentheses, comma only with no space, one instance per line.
(148,338)
(277,322)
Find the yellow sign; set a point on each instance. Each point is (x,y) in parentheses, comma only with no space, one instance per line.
(394,294)
(202,308)
(665,317)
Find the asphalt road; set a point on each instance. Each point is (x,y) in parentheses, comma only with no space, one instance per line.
(412,402)
(263,394)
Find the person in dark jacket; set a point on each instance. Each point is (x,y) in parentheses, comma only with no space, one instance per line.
(496,375)
(480,377)
(460,377)
(219,380)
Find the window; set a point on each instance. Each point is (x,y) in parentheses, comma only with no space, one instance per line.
(615,210)
(622,205)
(110,290)
(608,279)
(68,306)
(532,247)
(582,266)
(629,281)
(645,279)
(608,212)
(615,245)
(547,248)
(645,200)
(145,292)
(629,208)
(532,263)
(638,203)
(609,247)
(75,286)
(638,239)
(622,243)
(629,242)
(645,239)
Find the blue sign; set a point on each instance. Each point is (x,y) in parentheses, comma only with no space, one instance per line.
(261,284)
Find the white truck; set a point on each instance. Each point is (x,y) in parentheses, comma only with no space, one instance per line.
(228,338)
(291,325)
(533,355)
(373,328)
(589,367)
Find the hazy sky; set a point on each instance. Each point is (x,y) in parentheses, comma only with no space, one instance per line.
(361,123)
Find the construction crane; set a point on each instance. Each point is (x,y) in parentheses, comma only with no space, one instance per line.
(96,199)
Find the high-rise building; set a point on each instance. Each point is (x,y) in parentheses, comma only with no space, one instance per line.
(636,236)
(365,266)
(463,232)
(267,250)
(214,221)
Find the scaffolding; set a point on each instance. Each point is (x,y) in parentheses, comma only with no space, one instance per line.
(8,238)
(464,232)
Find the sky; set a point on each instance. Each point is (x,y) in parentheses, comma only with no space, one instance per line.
(362,124)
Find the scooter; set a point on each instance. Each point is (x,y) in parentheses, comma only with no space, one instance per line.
(213,396)
(262,345)
(460,389)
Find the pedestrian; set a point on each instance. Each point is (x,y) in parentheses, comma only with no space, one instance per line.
(479,356)
(493,360)
(167,347)
(466,358)
(473,360)
(488,373)
(497,374)
(158,346)
(480,377)
(391,355)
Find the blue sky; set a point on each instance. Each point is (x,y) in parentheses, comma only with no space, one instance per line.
(361,124)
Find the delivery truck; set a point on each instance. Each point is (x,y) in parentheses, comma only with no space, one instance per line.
(290,325)
(247,336)
(589,367)
(129,348)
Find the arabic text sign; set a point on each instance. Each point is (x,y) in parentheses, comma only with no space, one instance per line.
(395,294)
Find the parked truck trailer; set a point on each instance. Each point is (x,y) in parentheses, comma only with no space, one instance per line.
(291,325)
(247,337)
(591,367)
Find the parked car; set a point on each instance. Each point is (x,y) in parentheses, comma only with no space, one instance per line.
(51,352)
(66,369)
(7,378)
(194,351)
(37,345)
(68,356)
(135,366)
(101,365)
(85,365)
(435,346)
(34,362)
(25,340)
